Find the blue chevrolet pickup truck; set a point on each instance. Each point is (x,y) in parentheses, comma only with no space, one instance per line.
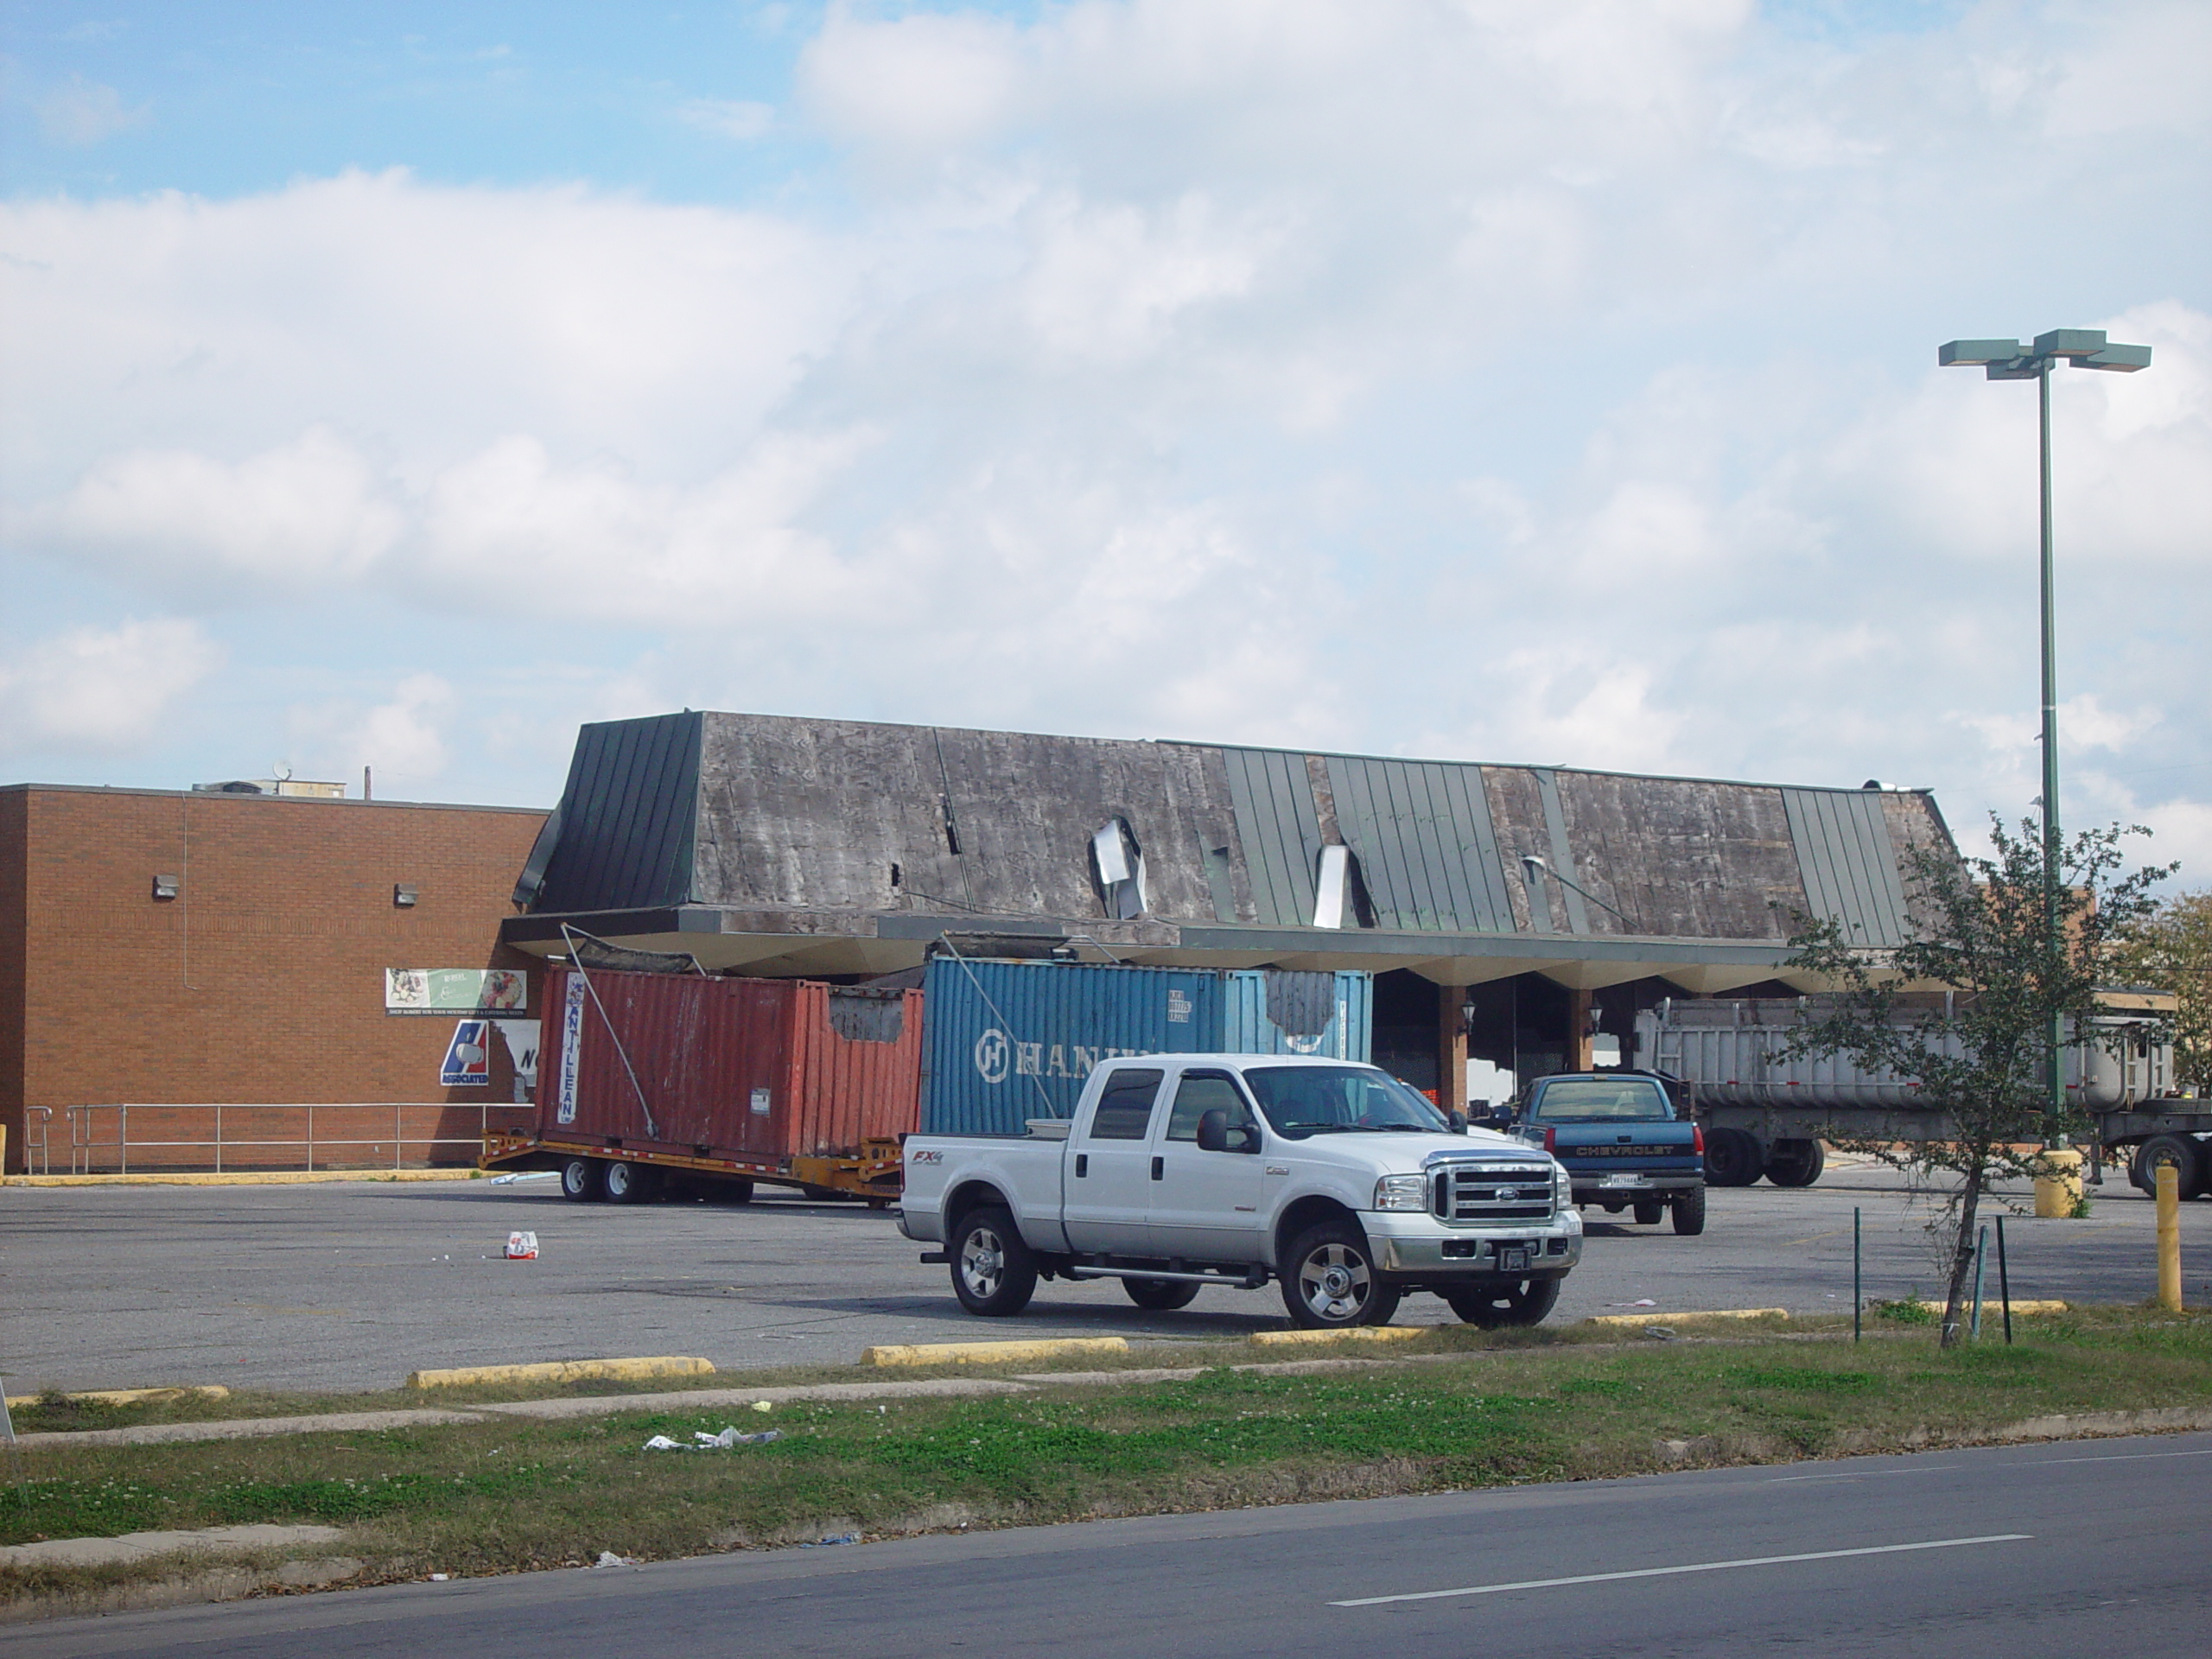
(1622,1143)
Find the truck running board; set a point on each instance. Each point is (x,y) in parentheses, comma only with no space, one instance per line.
(1250,1279)
(936,1258)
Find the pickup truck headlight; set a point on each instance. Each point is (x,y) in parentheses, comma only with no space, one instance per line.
(1563,1186)
(1401,1192)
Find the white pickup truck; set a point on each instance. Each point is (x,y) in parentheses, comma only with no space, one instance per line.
(1179,1171)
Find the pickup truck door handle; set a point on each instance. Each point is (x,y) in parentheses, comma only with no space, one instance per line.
(1159,1168)
(1082,1164)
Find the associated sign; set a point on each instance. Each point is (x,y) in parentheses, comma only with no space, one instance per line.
(468,1057)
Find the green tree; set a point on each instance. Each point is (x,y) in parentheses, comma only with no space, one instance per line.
(2170,949)
(1978,1057)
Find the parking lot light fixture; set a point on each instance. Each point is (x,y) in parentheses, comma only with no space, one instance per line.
(2007,360)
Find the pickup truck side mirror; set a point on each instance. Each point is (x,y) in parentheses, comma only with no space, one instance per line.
(1216,1135)
(1458,1120)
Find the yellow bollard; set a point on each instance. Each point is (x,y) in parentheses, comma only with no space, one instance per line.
(2169,1238)
(2058,1194)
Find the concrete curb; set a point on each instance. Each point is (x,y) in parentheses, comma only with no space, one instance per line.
(566,1371)
(137,1545)
(1657,1316)
(1349,1333)
(247,1178)
(963,1353)
(130,1397)
(608,1405)
(241,1428)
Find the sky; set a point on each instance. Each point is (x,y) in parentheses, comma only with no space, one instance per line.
(1544,381)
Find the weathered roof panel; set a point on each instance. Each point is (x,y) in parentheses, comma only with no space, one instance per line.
(1849,867)
(628,816)
(1427,852)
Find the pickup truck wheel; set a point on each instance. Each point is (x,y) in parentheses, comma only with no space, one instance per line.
(1689,1213)
(1516,1302)
(1731,1158)
(1329,1280)
(1796,1163)
(1161,1295)
(993,1272)
(580,1179)
(628,1183)
(1648,1215)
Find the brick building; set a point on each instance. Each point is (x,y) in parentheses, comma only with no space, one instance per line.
(203,948)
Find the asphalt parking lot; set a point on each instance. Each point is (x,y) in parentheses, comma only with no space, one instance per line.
(353,1284)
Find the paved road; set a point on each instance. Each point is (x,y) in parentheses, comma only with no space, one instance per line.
(352,1286)
(2097,1547)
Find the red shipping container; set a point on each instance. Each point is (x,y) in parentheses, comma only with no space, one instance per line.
(756,1071)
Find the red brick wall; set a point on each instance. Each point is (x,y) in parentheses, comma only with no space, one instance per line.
(264,980)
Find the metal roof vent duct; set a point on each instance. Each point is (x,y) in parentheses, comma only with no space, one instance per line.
(1118,865)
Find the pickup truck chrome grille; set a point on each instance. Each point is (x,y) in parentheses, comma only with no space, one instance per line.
(1492,1192)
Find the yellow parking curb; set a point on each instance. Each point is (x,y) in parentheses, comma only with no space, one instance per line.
(246,1177)
(1656,1316)
(1994,1309)
(127,1396)
(965,1353)
(1348,1333)
(564,1370)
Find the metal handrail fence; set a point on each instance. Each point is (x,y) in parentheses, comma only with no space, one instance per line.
(35,1141)
(96,1138)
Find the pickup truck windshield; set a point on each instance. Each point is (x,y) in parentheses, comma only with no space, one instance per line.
(1583,1098)
(1303,1100)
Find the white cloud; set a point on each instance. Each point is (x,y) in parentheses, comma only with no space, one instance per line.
(728,118)
(105,691)
(1511,379)
(82,113)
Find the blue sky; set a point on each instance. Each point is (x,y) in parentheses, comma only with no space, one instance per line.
(403,385)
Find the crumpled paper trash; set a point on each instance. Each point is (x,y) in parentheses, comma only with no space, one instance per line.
(704,1441)
(608,1558)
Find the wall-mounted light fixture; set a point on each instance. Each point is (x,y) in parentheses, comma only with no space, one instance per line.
(168,886)
(403,895)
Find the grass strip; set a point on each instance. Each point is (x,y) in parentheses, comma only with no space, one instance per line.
(516,1494)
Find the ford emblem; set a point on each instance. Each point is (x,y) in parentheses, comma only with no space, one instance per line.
(1506,1194)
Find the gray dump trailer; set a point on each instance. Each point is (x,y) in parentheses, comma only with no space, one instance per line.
(1765,1111)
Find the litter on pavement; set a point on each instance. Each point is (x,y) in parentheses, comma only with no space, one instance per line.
(521,1247)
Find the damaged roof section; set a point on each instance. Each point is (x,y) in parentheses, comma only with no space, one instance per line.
(824,820)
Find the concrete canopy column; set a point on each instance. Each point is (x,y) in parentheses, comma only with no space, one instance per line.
(1581,1057)
(1451,1048)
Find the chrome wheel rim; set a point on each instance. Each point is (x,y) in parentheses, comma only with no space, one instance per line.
(1333,1282)
(982,1264)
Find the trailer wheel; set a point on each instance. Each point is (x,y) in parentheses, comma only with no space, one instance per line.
(580,1179)
(1161,1295)
(628,1183)
(1796,1163)
(1515,1302)
(2177,1150)
(993,1272)
(1731,1158)
(1689,1213)
(1648,1215)
(1329,1280)
(735,1192)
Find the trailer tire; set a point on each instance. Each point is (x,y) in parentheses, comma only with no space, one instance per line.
(579,1181)
(736,1192)
(628,1183)
(1493,1307)
(1731,1158)
(1329,1280)
(1689,1213)
(2175,1149)
(1796,1163)
(1650,1215)
(1161,1295)
(994,1272)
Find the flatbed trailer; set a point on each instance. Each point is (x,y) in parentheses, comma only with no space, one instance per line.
(872,1176)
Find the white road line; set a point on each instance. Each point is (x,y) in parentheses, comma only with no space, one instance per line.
(2113,1457)
(1865,1474)
(1697,1566)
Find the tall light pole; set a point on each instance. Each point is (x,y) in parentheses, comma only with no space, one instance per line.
(2007,360)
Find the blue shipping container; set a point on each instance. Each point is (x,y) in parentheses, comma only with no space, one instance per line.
(1272,1011)
(1008,1041)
